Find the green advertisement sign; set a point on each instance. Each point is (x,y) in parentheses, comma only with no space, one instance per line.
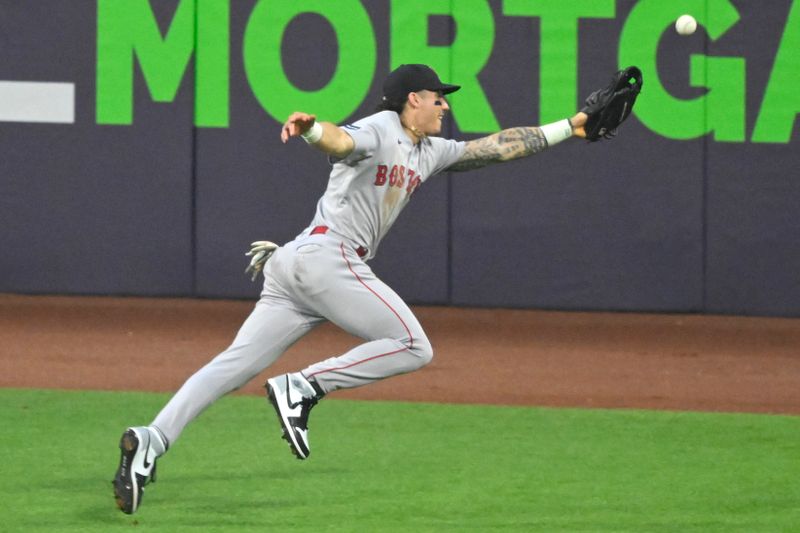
(127,33)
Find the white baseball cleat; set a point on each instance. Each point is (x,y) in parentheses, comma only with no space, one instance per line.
(293,396)
(137,467)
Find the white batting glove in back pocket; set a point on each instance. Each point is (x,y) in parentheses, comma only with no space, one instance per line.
(260,252)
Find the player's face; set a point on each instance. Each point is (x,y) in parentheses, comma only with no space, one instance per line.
(431,112)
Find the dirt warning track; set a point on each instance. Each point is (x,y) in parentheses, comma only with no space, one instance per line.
(509,357)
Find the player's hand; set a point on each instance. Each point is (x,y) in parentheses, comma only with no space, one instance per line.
(578,124)
(260,252)
(297,124)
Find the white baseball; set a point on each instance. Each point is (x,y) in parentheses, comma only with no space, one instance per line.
(685,25)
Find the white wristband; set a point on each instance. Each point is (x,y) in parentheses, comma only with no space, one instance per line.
(313,135)
(557,131)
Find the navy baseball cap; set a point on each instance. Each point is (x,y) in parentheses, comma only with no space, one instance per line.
(411,78)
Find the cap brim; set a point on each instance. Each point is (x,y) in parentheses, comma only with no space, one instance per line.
(447,89)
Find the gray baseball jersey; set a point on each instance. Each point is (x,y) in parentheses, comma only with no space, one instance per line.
(369,188)
(322,275)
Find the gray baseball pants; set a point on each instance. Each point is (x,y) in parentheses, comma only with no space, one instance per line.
(308,281)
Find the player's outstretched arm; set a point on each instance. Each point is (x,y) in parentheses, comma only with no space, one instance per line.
(323,136)
(510,144)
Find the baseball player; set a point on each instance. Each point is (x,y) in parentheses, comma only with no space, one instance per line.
(378,163)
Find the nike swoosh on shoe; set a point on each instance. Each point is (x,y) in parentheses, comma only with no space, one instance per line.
(292,405)
(145,462)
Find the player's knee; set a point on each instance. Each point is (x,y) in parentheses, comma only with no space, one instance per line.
(423,351)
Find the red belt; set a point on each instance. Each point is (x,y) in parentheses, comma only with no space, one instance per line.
(322,230)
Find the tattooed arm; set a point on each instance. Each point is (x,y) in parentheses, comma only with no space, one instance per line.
(502,146)
(508,145)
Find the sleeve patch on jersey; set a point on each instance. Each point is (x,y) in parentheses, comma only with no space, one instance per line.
(351,127)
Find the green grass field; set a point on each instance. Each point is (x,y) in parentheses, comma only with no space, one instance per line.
(388,466)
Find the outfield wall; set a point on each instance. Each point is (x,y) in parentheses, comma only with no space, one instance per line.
(143,154)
